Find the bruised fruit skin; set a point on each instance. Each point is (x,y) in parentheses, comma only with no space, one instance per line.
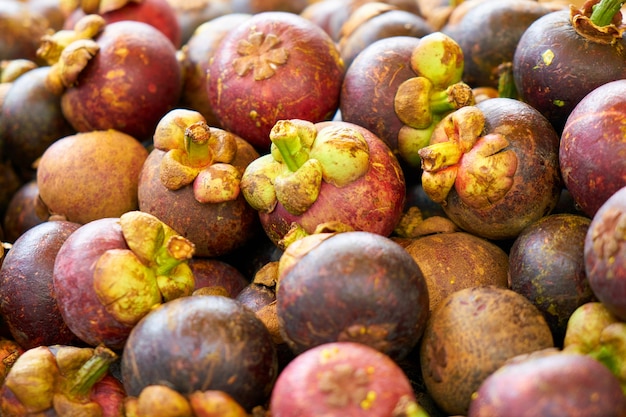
(325,172)
(92,175)
(605,254)
(273,66)
(493,167)
(126,76)
(574,384)
(472,333)
(191,181)
(340,378)
(591,140)
(210,342)
(27,298)
(355,287)
(111,272)
(546,266)
(457,260)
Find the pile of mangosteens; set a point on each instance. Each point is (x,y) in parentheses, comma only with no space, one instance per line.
(339,208)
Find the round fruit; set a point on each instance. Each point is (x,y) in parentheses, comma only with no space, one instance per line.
(472,333)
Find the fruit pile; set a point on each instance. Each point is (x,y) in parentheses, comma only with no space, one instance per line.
(339,208)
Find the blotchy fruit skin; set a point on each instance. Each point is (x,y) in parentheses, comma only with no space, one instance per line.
(472,333)
(202,342)
(453,261)
(554,67)
(340,379)
(557,385)
(355,287)
(73,283)
(593,148)
(302,76)
(537,180)
(605,254)
(132,81)
(216,229)
(372,203)
(27,298)
(371,83)
(92,175)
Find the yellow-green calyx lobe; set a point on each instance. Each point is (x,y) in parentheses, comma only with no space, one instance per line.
(154,269)
(197,155)
(57,379)
(479,166)
(436,90)
(300,159)
(68,51)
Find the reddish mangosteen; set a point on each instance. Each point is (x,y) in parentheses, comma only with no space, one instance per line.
(343,379)
(191,181)
(555,384)
(27,298)
(351,286)
(274,66)
(564,55)
(111,272)
(605,254)
(593,140)
(157,13)
(123,75)
(493,167)
(321,173)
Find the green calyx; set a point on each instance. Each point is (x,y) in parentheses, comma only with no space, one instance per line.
(197,155)
(479,167)
(594,331)
(300,159)
(154,269)
(437,90)
(59,378)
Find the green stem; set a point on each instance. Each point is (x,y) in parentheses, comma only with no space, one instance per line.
(289,143)
(604,11)
(197,137)
(506,82)
(452,98)
(177,249)
(92,371)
